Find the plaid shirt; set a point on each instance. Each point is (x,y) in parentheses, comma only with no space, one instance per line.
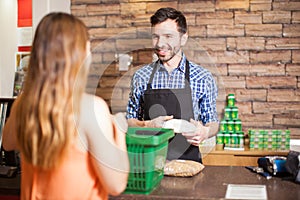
(203,87)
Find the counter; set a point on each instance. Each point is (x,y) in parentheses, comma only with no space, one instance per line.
(211,183)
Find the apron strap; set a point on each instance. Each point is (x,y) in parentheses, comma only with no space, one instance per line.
(152,75)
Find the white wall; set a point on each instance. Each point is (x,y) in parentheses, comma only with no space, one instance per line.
(8,35)
(8,48)
(41,8)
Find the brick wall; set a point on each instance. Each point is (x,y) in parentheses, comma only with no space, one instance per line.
(251,46)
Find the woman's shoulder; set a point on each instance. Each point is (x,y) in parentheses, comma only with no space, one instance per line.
(92,108)
(94,111)
(92,101)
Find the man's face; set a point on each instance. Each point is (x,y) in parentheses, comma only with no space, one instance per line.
(166,40)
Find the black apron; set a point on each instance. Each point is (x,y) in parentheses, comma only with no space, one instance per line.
(176,102)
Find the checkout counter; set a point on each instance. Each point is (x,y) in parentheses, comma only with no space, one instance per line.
(211,183)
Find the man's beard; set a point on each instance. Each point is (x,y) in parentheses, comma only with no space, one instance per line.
(174,52)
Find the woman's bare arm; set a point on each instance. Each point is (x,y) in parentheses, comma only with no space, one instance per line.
(106,143)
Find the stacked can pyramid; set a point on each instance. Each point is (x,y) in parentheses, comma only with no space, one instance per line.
(230,133)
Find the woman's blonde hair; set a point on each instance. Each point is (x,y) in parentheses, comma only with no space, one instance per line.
(49,105)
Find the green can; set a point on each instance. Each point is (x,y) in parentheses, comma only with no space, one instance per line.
(220,138)
(260,138)
(279,138)
(237,125)
(231,100)
(234,113)
(265,145)
(266,137)
(227,139)
(287,133)
(223,126)
(260,146)
(274,138)
(227,113)
(230,125)
(234,140)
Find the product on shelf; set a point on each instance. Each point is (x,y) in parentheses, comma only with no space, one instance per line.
(269,139)
(231,134)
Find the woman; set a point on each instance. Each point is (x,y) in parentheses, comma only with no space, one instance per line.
(71,146)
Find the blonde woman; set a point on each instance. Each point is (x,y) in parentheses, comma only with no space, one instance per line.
(71,146)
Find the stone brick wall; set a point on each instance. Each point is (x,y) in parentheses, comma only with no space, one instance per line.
(251,46)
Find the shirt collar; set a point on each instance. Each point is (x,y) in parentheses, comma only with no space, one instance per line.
(181,66)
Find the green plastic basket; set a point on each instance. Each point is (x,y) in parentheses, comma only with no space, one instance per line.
(147,150)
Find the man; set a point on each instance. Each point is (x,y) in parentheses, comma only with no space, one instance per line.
(173,87)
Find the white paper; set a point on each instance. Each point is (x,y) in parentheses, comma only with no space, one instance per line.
(180,126)
(295,145)
(24,36)
(240,191)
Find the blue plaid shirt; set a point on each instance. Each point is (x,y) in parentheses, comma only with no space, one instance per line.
(203,88)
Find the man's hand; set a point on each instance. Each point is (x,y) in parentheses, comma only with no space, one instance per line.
(158,122)
(201,133)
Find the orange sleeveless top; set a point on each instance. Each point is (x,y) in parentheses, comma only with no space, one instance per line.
(74,179)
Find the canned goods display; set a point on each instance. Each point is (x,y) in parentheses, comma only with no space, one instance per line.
(231,126)
(269,139)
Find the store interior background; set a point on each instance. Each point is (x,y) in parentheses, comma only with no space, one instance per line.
(254,45)
(8,35)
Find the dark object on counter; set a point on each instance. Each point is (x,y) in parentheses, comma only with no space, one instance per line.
(292,165)
(274,165)
(8,171)
(9,160)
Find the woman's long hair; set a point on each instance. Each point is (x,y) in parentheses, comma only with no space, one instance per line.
(49,105)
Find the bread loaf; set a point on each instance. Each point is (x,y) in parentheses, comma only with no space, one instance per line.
(182,168)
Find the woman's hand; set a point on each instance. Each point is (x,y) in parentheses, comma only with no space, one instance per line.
(158,122)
